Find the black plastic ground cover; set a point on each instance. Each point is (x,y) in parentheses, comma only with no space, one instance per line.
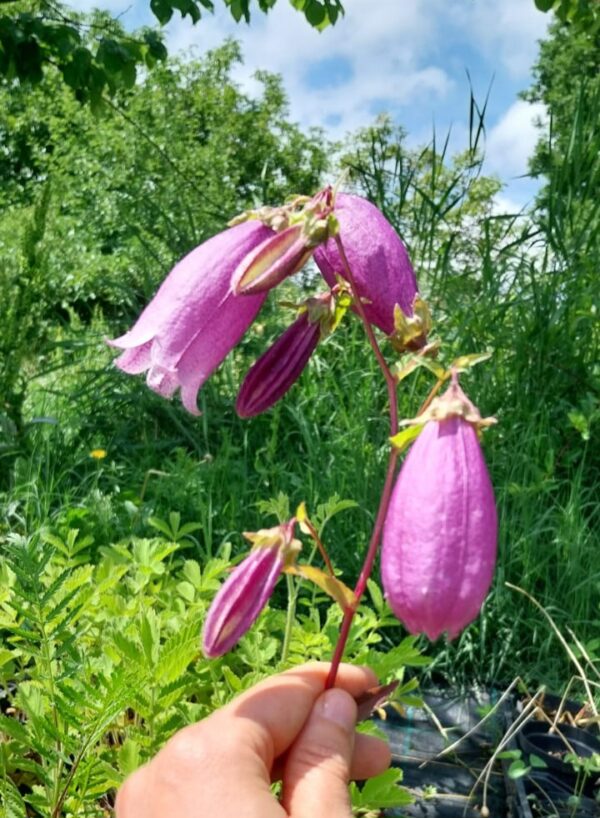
(548,793)
(445,786)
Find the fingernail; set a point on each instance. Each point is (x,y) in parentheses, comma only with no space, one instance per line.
(339,707)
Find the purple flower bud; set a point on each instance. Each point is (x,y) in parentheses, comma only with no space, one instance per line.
(378,260)
(439,537)
(194,320)
(246,591)
(281,365)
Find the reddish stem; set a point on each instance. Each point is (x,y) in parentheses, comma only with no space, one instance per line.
(323,551)
(389,477)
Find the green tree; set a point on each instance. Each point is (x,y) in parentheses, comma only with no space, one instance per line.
(581,13)
(567,81)
(96,56)
(114,201)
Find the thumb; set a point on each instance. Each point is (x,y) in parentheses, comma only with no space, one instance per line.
(315,779)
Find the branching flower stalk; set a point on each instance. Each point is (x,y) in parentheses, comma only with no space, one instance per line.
(367,567)
(436,522)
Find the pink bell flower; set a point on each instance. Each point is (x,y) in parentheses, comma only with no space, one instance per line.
(440,533)
(194,320)
(246,591)
(379,262)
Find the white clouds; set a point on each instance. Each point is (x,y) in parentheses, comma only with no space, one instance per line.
(512,140)
(383,50)
(507,30)
(407,57)
(506,206)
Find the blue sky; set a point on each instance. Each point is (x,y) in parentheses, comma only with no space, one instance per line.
(407,57)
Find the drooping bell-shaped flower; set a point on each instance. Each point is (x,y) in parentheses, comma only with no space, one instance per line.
(248,588)
(440,533)
(270,377)
(377,258)
(194,320)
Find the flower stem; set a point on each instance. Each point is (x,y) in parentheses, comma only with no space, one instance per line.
(389,477)
(292,590)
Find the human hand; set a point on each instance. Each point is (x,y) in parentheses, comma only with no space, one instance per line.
(283,728)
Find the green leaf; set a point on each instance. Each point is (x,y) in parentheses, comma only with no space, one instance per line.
(279,506)
(13,728)
(376,595)
(510,754)
(405,437)
(230,677)
(239,9)
(408,364)
(187,591)
(156,48)
(14,806)
(177,652)
(129,756)
(465,362)
(189,528)
(326,511)
(162,526)
(544,5)
(149,631)
(381,792)
(127,647)
(371,728)
(518,769)
(580,422)
(314,12)
(537,762)
(162,10)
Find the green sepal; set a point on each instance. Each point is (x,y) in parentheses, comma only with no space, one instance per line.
(402,369)
(404,438)
(332,586)
(464,362)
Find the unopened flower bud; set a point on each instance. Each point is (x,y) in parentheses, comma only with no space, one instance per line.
(277,258)
(378,260)
(248,588)
(440,533)
(270,377)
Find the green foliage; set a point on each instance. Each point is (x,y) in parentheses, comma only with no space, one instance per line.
(142,208)
(381,792)
(100,58)
(91,60)
(583,14)
(567,81)
(102,661)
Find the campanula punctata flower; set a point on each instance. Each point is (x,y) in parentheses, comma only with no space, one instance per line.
(378,259)
(194,320)
(440,533)
(248,588)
